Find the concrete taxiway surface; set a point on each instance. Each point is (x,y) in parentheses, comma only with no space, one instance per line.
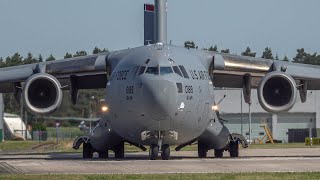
(251,160)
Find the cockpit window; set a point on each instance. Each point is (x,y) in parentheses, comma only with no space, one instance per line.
(177,70)
(152,70)
(184,72)
(141,70)
(165,70)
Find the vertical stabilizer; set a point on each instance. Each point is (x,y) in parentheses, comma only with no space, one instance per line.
(149,24)
(160,21)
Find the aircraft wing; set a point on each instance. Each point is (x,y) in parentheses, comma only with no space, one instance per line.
(229,70)
(86,72)
(40,85)
(277,82)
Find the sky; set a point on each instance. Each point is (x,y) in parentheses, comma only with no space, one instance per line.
(60,26)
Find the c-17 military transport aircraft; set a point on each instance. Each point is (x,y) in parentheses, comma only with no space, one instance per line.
(160,95)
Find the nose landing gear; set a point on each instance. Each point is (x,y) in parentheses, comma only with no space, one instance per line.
(165,152)
(164,149)
(153,152)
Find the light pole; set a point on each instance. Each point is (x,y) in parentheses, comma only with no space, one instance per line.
(250,122)
(241,92)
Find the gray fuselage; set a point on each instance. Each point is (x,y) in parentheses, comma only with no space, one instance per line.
(146,93)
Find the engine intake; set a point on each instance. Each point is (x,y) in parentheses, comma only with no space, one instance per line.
(277,92)
(42,94)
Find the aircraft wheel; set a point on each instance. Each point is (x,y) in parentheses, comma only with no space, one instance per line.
(153,152)
(218,153)
(87,152)
(165,154)
(202,150)
(103,155)
(234,149)
(119,151)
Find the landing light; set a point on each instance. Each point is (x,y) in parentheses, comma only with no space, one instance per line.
(104,108)
(215,107)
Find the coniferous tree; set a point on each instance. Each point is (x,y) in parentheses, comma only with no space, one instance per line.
(301,56)
(104,50)
(285,59)
(227,51)
(40,58)
(267,54)
(51,58)
(80,53)
(15,60)
(248,52)
(29,59)
(215,48)
(190,45)
(2,64)
(96,50)
(67,56)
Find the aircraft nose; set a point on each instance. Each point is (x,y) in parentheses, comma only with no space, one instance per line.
(159,97)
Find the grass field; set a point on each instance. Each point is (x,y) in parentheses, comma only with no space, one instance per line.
(233,176)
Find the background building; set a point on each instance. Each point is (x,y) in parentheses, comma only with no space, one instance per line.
(301,116)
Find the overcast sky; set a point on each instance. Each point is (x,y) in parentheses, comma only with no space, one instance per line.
(60,26)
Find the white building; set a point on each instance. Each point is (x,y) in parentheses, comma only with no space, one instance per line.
(301,116)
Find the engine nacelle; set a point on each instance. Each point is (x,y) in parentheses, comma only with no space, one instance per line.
(42,94)
(277,92)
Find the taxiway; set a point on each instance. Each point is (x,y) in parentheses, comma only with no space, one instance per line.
(251,160)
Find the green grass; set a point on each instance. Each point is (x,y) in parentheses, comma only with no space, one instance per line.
(281,145)
(17,145)
(36,146)
(263,146)
(47,147)
(227,176)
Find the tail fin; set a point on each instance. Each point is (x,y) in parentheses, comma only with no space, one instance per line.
(149,24)
(155,22)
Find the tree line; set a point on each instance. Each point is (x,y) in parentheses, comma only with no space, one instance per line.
(301,57)
(16,59)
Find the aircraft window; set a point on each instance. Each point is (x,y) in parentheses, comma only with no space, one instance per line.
(177,70)
(184,72)
(179,86)
(152,70)
(141,70)
(165,70)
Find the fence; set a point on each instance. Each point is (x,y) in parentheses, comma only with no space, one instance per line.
(51,134)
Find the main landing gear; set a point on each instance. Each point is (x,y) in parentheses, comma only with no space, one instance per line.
(233,147)
(88,151)
(203,151)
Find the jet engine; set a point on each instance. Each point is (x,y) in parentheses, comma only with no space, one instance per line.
(42,94)
(277,92)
